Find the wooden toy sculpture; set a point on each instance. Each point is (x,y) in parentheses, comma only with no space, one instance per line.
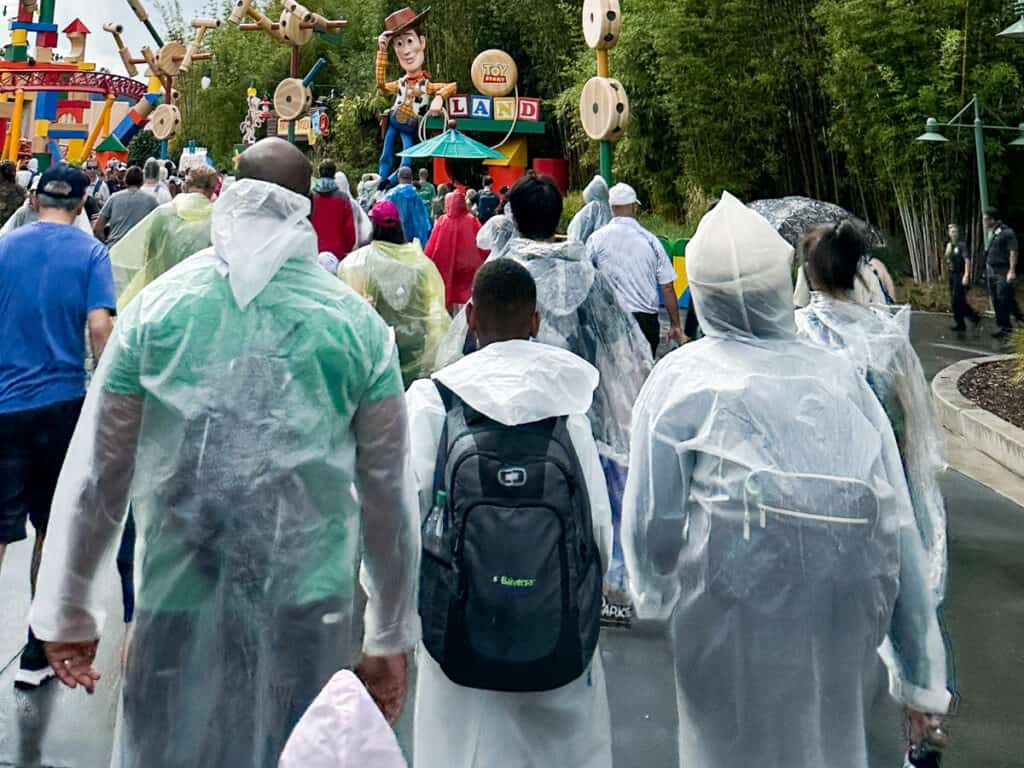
(165,64)
(296,27)
(604,106)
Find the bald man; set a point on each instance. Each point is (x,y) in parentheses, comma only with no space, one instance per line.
(250,408)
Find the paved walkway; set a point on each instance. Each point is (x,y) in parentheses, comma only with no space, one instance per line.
(985,616)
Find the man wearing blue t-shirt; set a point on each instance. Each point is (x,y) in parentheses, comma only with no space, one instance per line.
(55,280)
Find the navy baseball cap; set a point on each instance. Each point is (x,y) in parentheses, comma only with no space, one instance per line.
(63,182)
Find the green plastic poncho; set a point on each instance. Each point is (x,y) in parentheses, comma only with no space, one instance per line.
(249,407)
(406,289)
(167,236)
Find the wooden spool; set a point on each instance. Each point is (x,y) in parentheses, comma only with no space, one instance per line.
(602,20)
(291,25)
(165,121)
(604,109)
(495,73)
(169,58)
(292,99)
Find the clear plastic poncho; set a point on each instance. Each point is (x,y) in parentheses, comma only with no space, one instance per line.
(595,214)
(766,513)
(167,236)
(406,289)
(249,408)
(496,234)
(876,340)
(579,312)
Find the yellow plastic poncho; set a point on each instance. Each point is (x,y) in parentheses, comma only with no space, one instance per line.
(167,236)
(407,291)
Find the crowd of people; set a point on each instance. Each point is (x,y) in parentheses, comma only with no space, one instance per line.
(307,400)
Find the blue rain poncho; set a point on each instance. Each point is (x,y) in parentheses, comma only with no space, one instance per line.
(594,215)
(167,236)
(766,514)
(496,234)
(414,214)
(249,407)
(407,291)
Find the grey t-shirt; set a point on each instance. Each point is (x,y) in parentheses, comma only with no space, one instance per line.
(124,210)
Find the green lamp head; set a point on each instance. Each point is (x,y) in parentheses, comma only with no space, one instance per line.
(1019,141)
(932,132)
(1014,31)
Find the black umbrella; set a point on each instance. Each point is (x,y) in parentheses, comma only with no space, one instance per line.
(793,217)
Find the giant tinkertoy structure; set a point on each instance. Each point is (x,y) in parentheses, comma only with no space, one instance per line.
(52,107)
(57,107)
(296,27)
(165,64)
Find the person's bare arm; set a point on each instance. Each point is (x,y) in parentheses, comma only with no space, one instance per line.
(1011,276)
(100,325)
(99,228)
(967,273)
(668,295)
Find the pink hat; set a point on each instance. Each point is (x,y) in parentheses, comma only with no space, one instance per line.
(385,212)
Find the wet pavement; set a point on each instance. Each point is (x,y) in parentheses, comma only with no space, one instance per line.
(984,615)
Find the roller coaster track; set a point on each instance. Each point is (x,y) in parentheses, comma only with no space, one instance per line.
(43,78)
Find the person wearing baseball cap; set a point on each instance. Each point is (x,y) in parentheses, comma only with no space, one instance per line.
(54,281)
(404,286)
(638,267)
(29,213)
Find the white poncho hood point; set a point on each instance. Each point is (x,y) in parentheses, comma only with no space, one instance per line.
(596,191)
(257,227)
(739,270)
(525,382)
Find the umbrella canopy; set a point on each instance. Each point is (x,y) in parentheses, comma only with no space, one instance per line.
(452,144)
(794,217)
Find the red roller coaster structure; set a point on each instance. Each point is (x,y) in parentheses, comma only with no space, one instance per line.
(56,78)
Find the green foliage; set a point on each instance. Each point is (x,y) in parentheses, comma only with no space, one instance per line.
(142,147)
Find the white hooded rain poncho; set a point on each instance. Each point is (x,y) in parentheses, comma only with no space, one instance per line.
(167,236)
(364,229)
(512,382)
(249,407)
(876,339)
(766,513)
(595,214)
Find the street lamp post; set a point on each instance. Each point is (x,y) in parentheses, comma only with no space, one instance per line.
(933,133)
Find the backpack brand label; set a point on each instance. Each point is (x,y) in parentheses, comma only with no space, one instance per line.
(512,477)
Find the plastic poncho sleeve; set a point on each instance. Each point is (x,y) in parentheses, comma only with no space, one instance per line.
(391,532)
(426,422)
(89,507)
(654,506)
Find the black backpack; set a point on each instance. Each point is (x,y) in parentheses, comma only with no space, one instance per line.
(510,580)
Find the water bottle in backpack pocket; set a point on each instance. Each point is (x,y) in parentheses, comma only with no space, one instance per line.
(510,593)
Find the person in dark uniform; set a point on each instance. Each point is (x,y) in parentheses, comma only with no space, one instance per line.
(1001,270)
(959,260)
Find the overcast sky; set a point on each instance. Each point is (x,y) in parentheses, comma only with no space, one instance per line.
(100,47)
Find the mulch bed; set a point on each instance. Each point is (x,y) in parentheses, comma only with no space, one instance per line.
(991,386)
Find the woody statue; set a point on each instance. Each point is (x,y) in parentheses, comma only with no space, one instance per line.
(415,96)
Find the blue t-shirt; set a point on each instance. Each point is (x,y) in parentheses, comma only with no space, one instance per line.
(51,277)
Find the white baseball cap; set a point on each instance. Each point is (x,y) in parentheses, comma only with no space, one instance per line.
(622,194)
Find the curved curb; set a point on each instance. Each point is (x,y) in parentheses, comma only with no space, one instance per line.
(980,429)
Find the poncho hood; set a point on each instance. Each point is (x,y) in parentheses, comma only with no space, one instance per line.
(739,270)
(518,382)
(257,227)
